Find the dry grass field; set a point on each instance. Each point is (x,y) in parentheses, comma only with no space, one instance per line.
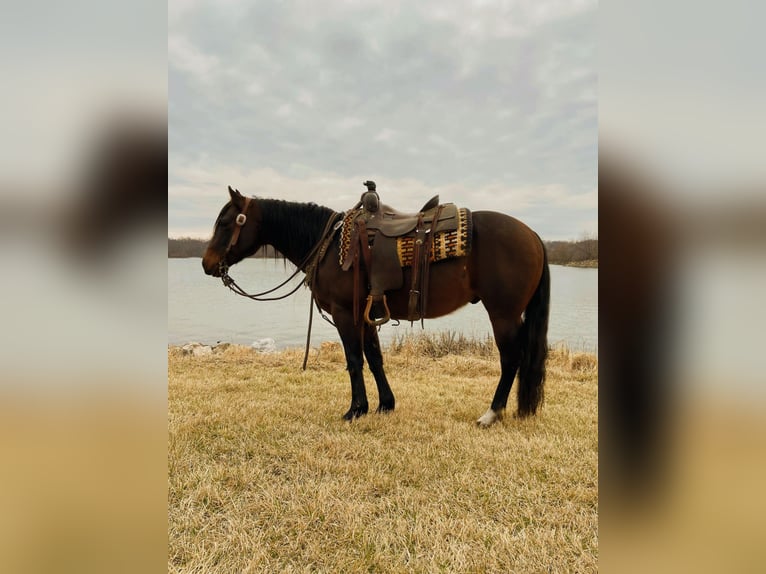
(264,476)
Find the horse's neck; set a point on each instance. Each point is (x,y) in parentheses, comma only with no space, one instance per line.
(293,229)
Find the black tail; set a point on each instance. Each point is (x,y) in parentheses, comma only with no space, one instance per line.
(534,345)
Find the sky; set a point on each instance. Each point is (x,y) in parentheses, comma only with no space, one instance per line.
(491,104)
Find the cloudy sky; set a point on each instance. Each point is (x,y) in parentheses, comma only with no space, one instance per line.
(492,104)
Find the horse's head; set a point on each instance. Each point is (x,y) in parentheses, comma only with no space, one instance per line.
(235,235)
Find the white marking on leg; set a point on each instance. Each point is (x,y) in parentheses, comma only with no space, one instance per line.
(489,418)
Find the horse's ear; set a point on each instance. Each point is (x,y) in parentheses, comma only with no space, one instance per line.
(236,197)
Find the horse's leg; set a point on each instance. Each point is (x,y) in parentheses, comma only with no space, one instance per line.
(375,362)
(351,336)
(507,339)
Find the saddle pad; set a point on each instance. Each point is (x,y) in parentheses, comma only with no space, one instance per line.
(446,244)
(345,234)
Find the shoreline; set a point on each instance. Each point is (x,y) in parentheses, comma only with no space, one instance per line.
(587,264)
(433,346)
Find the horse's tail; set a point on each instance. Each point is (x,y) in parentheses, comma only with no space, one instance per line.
(534,345)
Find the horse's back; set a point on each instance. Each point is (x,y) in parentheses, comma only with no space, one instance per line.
(506,236)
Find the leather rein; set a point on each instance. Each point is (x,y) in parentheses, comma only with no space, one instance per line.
(310,263)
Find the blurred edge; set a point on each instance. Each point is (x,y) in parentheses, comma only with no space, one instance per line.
(83,211)
(682,223)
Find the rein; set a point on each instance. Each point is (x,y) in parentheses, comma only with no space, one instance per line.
(310,263)
(228,280)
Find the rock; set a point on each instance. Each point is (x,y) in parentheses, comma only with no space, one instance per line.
(197,349)
(266,345)
(221,347)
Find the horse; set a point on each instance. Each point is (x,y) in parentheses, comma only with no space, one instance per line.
(506,269)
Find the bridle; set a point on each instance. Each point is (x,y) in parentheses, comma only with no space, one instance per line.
(223,267)
(310,264)
(240,221)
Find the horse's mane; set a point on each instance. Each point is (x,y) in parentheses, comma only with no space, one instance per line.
(294,227)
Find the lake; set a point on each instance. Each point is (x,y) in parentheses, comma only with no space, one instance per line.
(201,309)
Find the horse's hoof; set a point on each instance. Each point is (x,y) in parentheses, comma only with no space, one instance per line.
(385,408)
(355,413)
(489,418)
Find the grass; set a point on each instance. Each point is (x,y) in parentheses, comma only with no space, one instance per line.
(265,477)
(441,344)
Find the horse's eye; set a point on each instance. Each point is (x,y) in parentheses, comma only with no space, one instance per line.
(224,223)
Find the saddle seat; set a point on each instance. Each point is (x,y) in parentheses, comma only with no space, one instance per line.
(394,223)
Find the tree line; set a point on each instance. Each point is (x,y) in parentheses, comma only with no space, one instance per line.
(581,251)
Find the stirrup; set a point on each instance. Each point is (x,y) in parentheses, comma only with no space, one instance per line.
(376,322)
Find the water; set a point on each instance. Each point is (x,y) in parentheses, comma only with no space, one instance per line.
(201,309)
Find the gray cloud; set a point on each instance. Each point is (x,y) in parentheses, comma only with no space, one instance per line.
(480,103)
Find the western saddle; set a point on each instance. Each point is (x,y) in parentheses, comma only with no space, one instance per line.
(376,230)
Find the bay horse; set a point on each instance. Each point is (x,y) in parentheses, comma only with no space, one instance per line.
(506,269)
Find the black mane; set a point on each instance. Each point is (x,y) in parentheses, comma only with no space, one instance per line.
(293,228)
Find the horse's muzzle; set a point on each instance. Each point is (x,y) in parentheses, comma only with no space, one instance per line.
(213,269)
